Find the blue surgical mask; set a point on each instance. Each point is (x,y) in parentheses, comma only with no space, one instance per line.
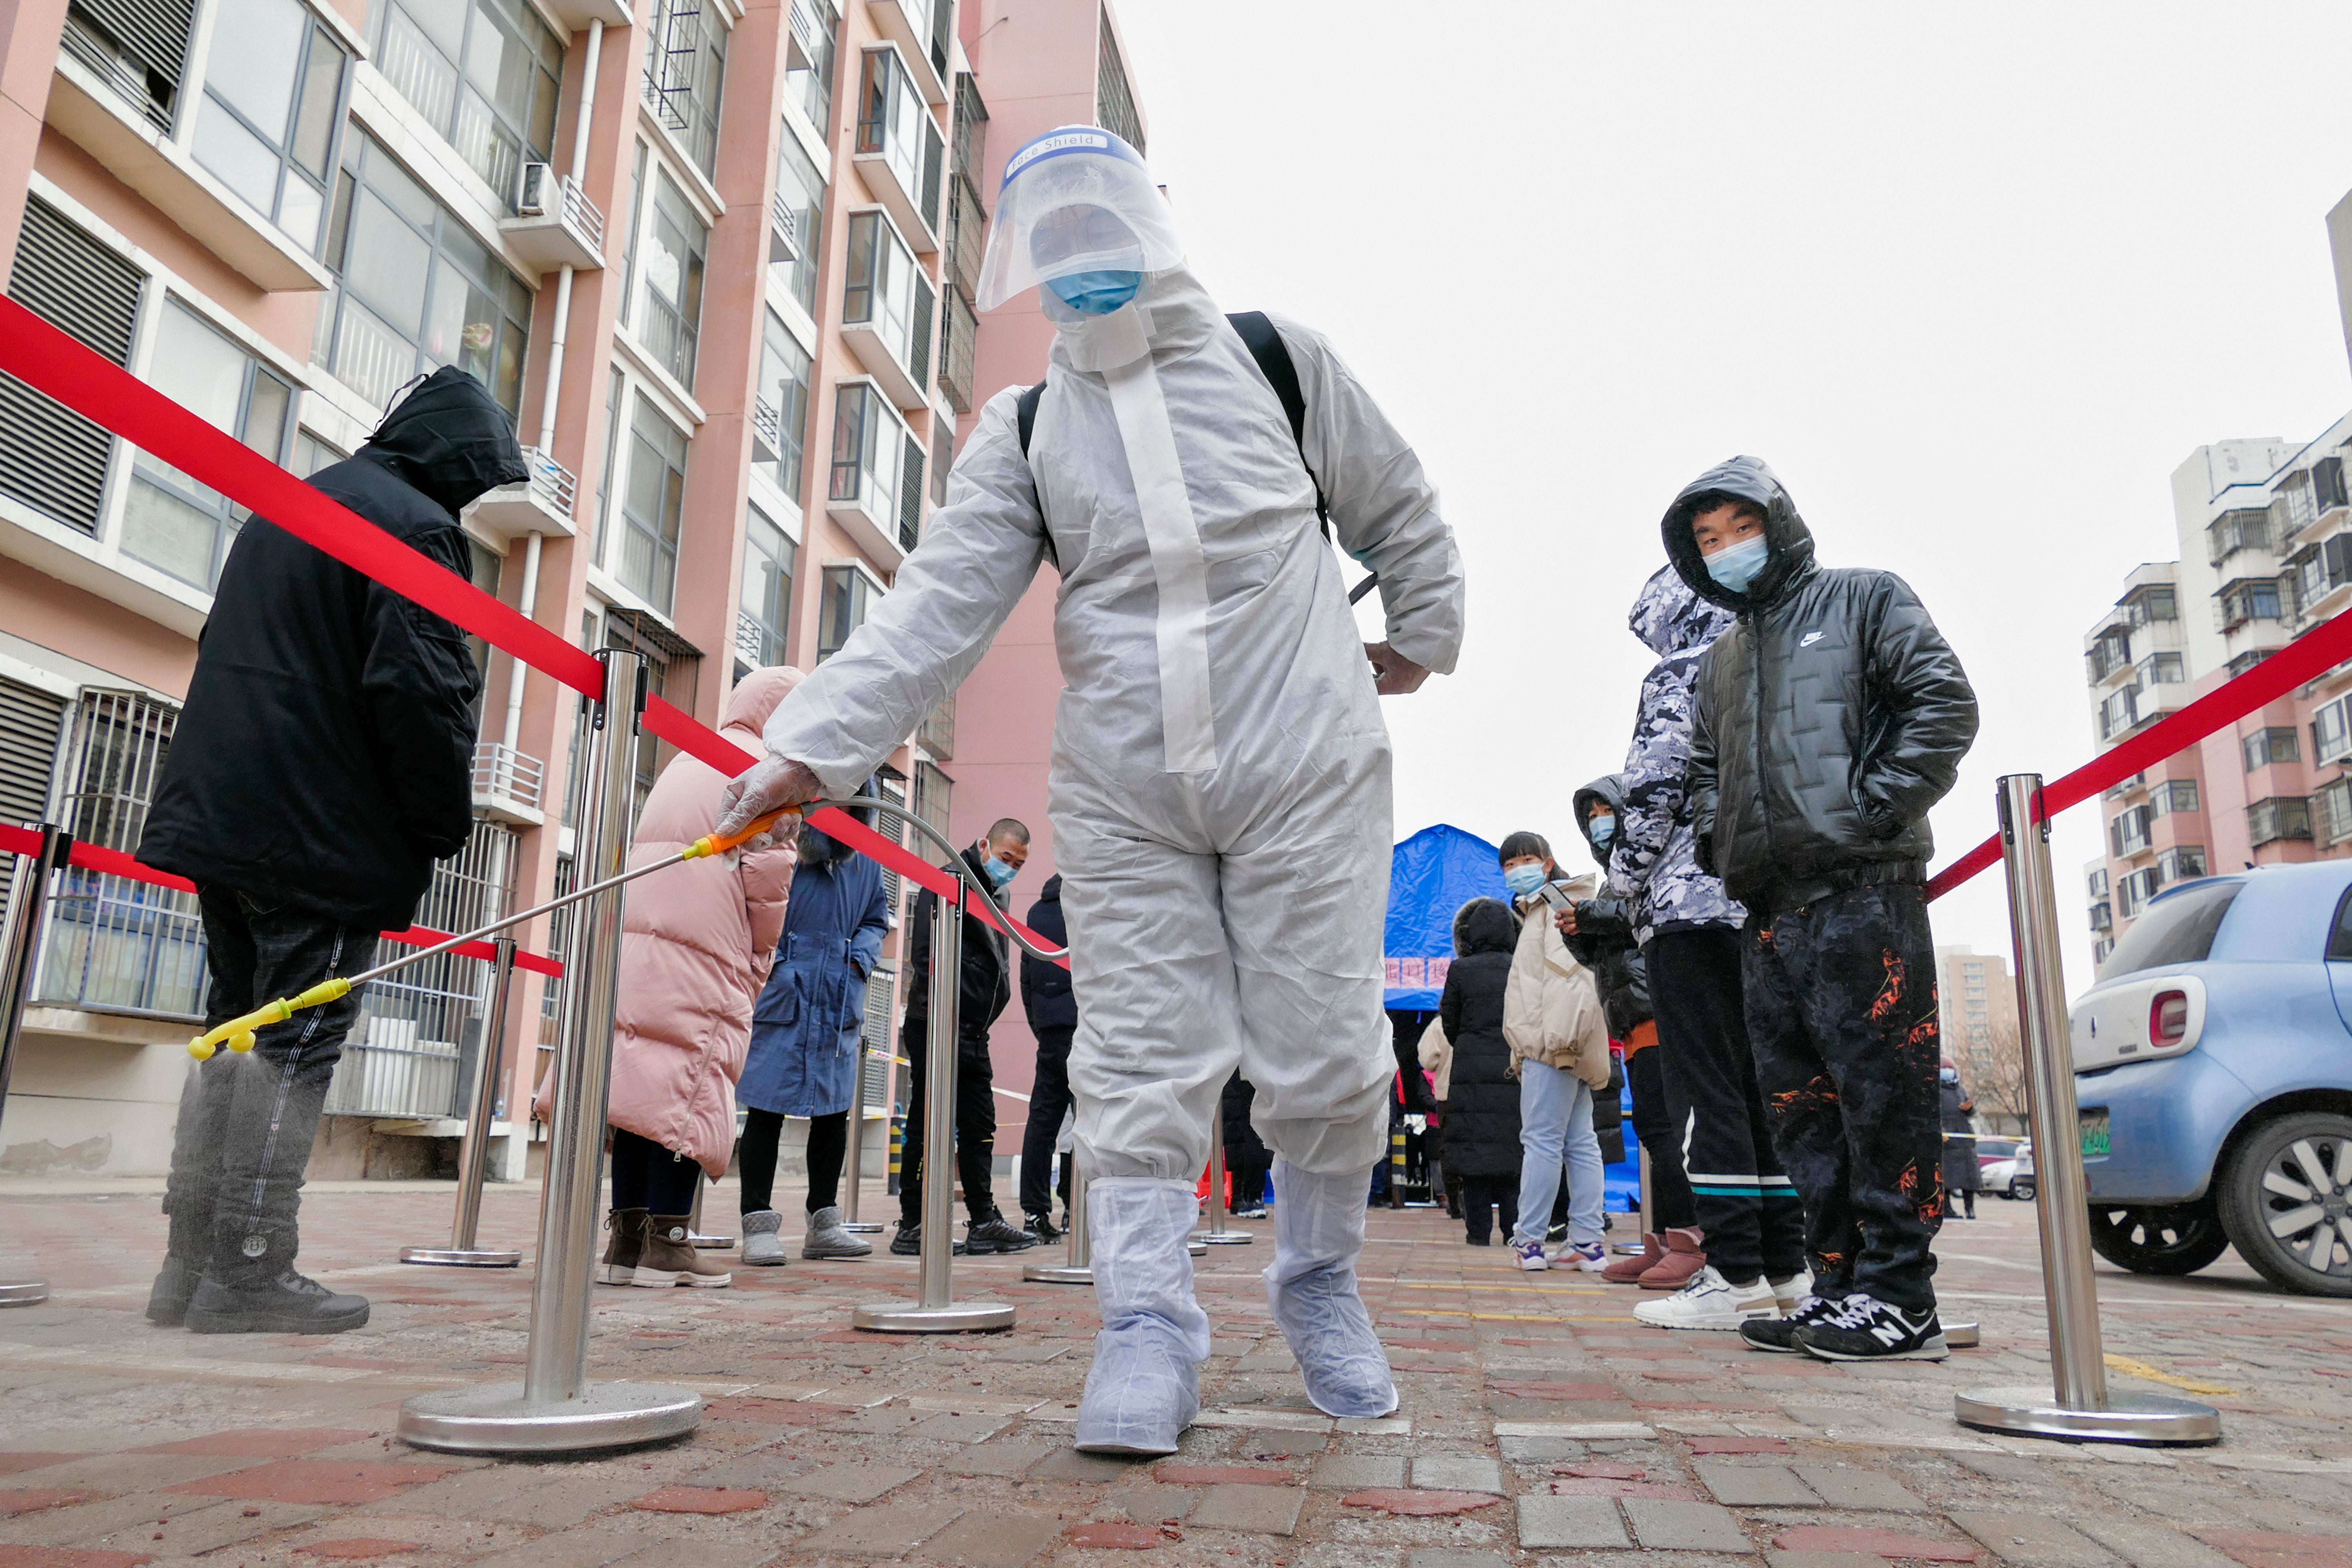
(1736,565)
(1603,830)
(1950,1075)
(1096,293)
(999,873)
(1523,879)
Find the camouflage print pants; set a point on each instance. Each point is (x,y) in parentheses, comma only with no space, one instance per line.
(1841,997)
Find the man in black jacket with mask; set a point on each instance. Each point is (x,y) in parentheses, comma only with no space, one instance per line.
(1829,719)
(323,762)
(982,992)
(1053,1011)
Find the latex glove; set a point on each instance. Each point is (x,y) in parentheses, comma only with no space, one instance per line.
(769,784)
(1393,674)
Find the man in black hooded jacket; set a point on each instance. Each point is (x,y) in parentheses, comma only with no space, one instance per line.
(321,764)
(1829,717)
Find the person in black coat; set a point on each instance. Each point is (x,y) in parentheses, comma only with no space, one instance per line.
(1482,1095)
(1053,1012)
(1962,1173)
(323,762)
(1247,1159)
(982,992)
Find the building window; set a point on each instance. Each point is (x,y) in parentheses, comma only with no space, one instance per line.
(894,123)
(139,48)
(484,72)
(2331,731)
(2247,528)
(2281,817)
(800,214)
(934,794)
(2161,669)
(2183,864)
(675,245)
(171,521)
(2278,745)
(273,101)
(53,459)
(942,458)
(652,506)
(870,447)
(2248,599)
(2119,712)
(847,597)
(2174,795)
(310,455)
(2248,660)
(686,69)
(1114,100)
(2159,602)
(415,290)
(2109,653)
(764,613)
(883,289)
(784,368)
(113,942)
(2128,834)
(2331,813)
(809,58)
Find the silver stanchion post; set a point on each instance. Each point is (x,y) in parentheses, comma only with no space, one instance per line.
(16,963)
(1077,1264)
(2079,1404)
(1632,1247)
(937,1311)
(701,1242)
(1217,1233)
(474,1149)
(555,1408)
(852,1173)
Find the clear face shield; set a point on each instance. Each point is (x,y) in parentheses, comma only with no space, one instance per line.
(1077,213)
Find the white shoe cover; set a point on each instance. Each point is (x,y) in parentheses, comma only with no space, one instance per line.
(1144,1387)
(1318,1232)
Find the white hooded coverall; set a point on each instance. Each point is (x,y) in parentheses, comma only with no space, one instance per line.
(1220,791)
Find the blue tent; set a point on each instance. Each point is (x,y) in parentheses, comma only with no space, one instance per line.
(1430,876)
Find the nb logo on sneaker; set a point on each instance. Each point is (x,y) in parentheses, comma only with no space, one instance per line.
(1809,640)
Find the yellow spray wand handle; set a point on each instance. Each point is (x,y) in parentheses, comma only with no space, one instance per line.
(718,844)
(238,1032)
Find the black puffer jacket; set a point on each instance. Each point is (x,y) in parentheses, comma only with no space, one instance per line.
(1045,993)
(326,751)
(1829,719)
(986,982)
(1603,942)
(1482,1098)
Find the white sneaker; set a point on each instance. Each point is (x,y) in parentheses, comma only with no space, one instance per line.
(1710,1301)
(1790,1293)
(1531,1256)
(1590,1259)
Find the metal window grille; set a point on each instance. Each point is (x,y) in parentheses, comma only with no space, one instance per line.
(933,792)
(137,48)
(54,459)
(971,125)
(419,1028)
(918,336)
(1114,101)
(911,495)
(31,721)
(892,786)
(113,944)
(880,988)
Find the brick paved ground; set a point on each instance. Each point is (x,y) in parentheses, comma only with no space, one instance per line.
(1541,1423)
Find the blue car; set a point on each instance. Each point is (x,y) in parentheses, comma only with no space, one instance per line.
(2213,1069)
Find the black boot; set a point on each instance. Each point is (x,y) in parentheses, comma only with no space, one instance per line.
(250,1286)
(167,1303)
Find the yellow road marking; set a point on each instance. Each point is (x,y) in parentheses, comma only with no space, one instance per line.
(1504,1317)
(1522,1290)
(2140,1368)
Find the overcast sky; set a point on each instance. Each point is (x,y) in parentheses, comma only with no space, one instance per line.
(1973,279)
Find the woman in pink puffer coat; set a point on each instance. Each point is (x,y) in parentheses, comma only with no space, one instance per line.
(696,944)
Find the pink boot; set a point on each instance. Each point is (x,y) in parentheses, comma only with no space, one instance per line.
(1629,1270)
(1685,1256)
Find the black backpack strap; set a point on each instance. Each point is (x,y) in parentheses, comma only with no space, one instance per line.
(1266,345)
(1026,413)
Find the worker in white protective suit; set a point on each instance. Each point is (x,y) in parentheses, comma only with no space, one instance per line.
(1220,794)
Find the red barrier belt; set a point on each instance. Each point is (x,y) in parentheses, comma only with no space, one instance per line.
(95,388)
(2307,658)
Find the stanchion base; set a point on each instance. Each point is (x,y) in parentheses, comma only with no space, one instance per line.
(1223,1238)
(23,1293)
(461,1256)
(912,1318)
(1058,1274)
(1962,1336)
(496,1419)
(2034,1412)
(1197,1247)
(710,1243)
(863,1228)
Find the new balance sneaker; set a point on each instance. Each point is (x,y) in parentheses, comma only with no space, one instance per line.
(1531,1256)
(1866,1328)
(1710,1301)
(1590,1259)
(1778,1336)
(1792,1292)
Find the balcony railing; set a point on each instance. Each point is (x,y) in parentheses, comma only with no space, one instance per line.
(502,775)
(767,432)
(784,232)
(551,482)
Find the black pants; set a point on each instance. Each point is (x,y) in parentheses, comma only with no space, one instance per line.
(1740,1196)
(1049,1100)
(1964,1198)
(1842,1007)
(1481,1196)
(975,1123)
(1248,1170)
(248,1118)
(1671,1206)
(828,1147)
(648,1176)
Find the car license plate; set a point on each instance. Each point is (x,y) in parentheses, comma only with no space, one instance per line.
(2094,1134)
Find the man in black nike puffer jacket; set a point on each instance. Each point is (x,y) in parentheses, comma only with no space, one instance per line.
(1828,721)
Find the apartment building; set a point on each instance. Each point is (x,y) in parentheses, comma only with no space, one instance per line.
(2265,535)
(715,257)
(1976,1003)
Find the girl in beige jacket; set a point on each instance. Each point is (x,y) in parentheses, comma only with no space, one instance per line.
(1559,1037)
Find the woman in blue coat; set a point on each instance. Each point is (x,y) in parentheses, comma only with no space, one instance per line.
(805,1029)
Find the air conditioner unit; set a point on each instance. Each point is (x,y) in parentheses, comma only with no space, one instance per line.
(534,187)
